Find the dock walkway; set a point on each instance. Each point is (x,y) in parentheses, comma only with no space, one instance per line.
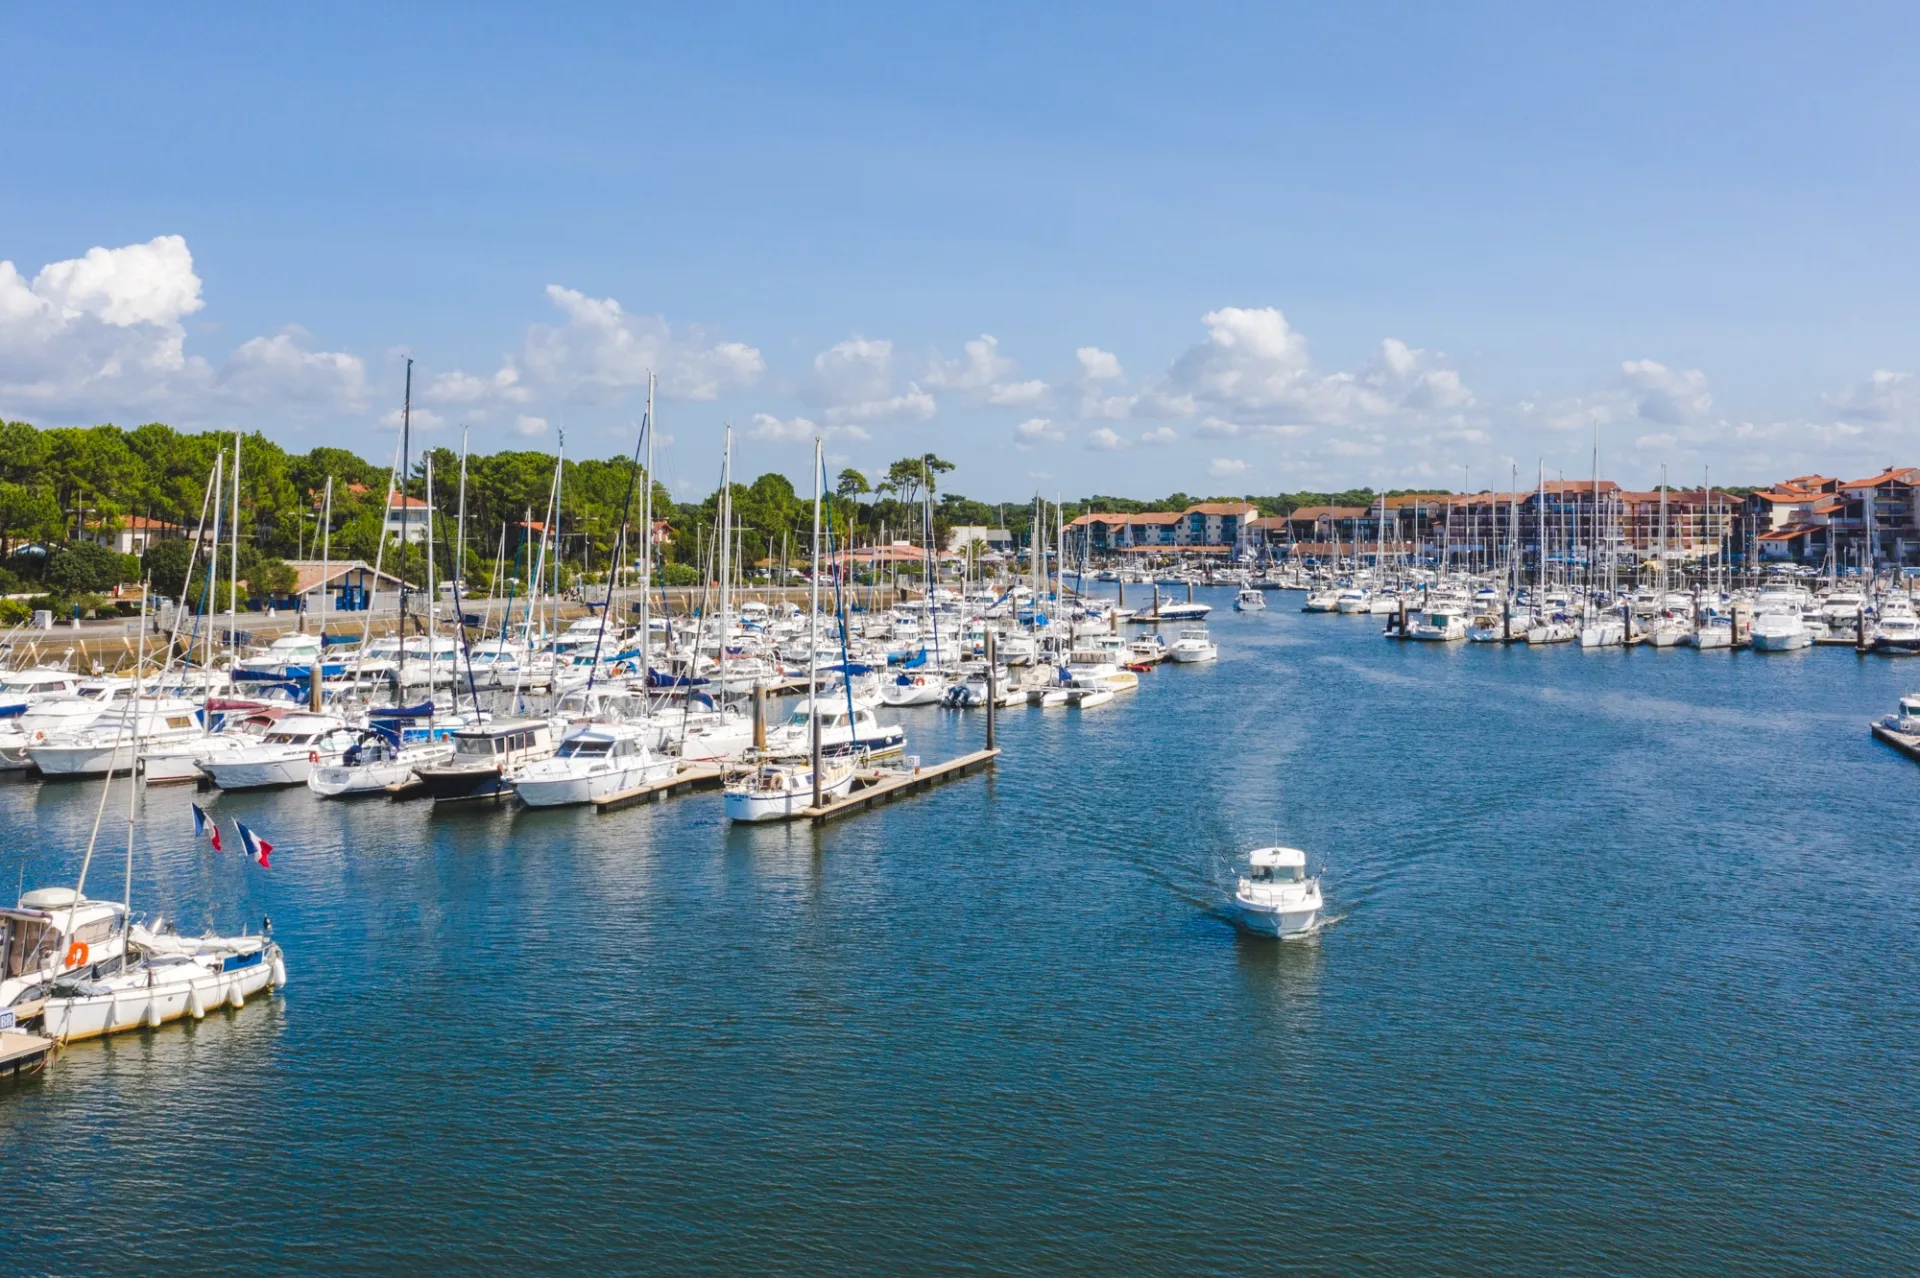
(881,786)
(698,776)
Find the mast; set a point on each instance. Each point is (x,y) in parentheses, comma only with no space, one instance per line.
(326,556)
(460,530)
(559,544)
(406,475)
(233,571)
(813,635)
(646,541)
(1661,575)
(433,595)
(726,539)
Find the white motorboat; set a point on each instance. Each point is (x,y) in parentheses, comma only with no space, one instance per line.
(285,755)
(1897,633)
(1276,897)
(839,735)
(782,791)
(21,689)
(107,744)
(374,764)
(58,715)
(1780,630)
(593,761)
(1176,612)
(1250,600)
(920,687)
(1439,623)
(1354,599)
(1321,601)
(1193,644)
(77,968)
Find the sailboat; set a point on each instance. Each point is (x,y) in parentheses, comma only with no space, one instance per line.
(781,790)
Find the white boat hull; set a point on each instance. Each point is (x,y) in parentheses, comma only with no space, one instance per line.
(558,792)
(173,994)
(750,807)
(1269,920)
(260,774)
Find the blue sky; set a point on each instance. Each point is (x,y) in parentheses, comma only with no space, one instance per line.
(1075,249)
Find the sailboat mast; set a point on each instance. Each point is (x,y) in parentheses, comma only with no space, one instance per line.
(326,555)
(233,570)
(646,540)
(433,594)
(813,632)
(726,543)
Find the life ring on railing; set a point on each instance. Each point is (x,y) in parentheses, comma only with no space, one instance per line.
(77,954)
(313,756)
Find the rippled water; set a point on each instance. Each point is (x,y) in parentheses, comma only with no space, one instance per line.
(1624,979)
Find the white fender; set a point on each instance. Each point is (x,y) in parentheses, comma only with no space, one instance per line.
(279,969)
(196,1006)
(235,998)
(153,1011)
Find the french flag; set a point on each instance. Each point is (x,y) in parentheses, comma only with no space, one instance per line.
(255,846)
(205,827)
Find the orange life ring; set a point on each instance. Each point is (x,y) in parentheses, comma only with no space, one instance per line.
(77,954)
(313,756)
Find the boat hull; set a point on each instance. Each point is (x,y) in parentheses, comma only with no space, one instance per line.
(751,807)
(171,998)
(264,774)
(559,792)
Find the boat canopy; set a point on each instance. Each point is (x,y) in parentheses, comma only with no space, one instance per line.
(1271,858)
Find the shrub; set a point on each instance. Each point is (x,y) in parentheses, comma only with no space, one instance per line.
(85,567)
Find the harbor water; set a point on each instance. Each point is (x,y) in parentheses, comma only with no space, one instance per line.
(1622,977)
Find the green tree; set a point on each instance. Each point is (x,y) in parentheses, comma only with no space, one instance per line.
(88,568)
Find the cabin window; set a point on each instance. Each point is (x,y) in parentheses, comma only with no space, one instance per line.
(586,748)
(473,745)
(179,721)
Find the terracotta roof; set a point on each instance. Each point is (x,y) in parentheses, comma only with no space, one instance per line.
(1323,512)
(1891,475)
(408,502)
(1788,533)
(1785,496)
(137,523)
(308,573)
(1221,508)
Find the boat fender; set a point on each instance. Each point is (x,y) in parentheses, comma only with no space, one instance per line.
(196,1006)
(153,1011)
(279,969)
(77,954)
(236,998)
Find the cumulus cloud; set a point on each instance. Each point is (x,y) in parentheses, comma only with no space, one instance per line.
(1160,435)
(600,349)
(1225,467)
(1105,439)
(853,381)
(1886,396)
(1097,365)
(1253,377)
(105,332)
(983,375)
(529,426)
(1037,430)
(1670,396)
(793,430)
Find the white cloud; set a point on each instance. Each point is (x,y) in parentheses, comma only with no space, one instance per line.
(1220,428)
(1225,467)
(982,374)
(1655,442)
(1037,430)
(464,388)
(272,370)
(1097,365)
(600,350)
(1160,435)
(1105,439)
(1886,396)
(421,419)
(529,426)
(1670,396)
(794,430)
(853,381)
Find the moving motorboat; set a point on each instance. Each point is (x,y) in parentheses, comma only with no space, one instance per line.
(1250,600)
(1276,897)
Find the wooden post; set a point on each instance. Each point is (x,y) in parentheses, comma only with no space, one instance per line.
(759,716)
(993,688)
(313,683)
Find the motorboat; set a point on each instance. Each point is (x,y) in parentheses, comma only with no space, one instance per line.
(1354,599)
(839,734)
(1276,897)
(1324,600)
(592,761)
(77,968)
(1169,611)
(1438,623)
(1905,718)
(482,757)
(1779,629)
(108,743)
(1714,632)
(1250,600)
(20,689)
(783,791)
(919,687)
(1191,645)
(375,764)
(285,754)
(58,715)
(1897,633)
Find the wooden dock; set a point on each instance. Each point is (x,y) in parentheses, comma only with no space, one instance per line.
(1905,743)
(21,1051)
(697,776)
(882,786)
